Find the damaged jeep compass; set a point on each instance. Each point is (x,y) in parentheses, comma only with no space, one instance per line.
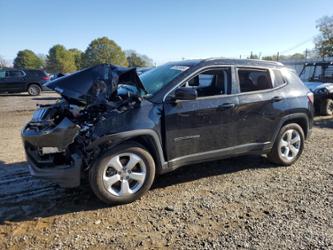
(121,130)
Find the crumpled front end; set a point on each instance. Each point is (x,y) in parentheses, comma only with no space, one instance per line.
(56,139)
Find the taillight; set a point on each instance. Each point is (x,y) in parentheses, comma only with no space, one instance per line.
(310,97)
(45,78)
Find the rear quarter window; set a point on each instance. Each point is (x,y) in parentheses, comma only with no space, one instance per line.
(279,79)
(291,77)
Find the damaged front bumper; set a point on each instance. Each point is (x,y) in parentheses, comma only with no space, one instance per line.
(67,176)
(48,155)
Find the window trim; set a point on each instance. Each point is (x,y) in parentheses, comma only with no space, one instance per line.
(234,81)
(205,68)
(257,91)
(23,73)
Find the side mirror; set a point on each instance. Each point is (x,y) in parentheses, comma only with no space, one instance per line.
(185,94)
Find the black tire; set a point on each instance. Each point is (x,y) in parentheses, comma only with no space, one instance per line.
(275,155)
(98,171)
(326,107)
(34,89)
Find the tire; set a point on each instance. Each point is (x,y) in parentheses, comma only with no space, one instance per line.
(34,89)
(326,107)
(112,176)
(288,145)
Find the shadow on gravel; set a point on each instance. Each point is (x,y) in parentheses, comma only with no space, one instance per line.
(45,98)
(14,94)
(24,198)
(208,169)
(324,122)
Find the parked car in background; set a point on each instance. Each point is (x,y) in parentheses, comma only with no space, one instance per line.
(22,80)
(318,77)
(120,129)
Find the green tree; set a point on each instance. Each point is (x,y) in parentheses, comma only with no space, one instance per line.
(135,60)
(60,59)
(324,41)
(253,56)
(43,59)
(27,59)
(78,54)
(104,50)
(269,58)
(297,56)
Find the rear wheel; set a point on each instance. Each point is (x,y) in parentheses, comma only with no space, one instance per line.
(288,146)
(123,174)
(326,107)
(34,89)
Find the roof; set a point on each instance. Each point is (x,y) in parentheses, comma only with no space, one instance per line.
(226,61)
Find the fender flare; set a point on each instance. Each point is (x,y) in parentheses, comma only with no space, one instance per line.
(289,118)
(117,138)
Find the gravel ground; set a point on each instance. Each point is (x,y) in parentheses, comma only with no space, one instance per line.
(243,202)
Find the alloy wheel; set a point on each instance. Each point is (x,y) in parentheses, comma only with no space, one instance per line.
(290,145)
(124,174)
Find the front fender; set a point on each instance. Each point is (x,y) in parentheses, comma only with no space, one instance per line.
(112,140)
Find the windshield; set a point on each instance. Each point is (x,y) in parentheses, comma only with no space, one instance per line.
(155,79)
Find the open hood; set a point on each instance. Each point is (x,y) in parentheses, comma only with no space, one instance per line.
(97,83)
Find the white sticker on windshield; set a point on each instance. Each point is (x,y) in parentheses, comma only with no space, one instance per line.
(181,68)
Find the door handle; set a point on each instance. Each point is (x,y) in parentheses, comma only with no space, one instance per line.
(277,98)
(225,106)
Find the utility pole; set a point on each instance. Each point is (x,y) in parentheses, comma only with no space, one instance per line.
(278,56)
(306,54)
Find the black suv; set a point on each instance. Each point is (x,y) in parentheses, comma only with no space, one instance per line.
(25,80)
(318,77)
(122,130)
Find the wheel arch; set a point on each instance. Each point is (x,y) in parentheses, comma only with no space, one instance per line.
(301,119)
(36,83)
(148,138)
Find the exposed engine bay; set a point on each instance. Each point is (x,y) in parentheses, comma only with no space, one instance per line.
(59,134)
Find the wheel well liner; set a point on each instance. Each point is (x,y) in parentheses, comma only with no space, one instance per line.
(301,119)
(146,137)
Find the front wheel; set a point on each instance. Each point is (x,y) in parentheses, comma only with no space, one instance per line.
(34,89)
(288,145)
(123,174)
(326,107)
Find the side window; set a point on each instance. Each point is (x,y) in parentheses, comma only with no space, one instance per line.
(14,73)
(2,74)
(254,80)
(211,82)
(278,78)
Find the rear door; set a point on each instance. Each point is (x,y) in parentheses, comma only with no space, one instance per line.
(260,106)
(15,81)
(205,124)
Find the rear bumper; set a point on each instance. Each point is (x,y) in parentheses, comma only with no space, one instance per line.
(64,175)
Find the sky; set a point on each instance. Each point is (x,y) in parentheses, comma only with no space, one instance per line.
(163,30)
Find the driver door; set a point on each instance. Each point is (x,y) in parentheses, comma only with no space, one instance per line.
(206,123)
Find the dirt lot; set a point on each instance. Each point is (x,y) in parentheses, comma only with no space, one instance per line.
(237,203)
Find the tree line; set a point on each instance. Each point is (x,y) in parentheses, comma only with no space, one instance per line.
(62,60)
(105,50)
